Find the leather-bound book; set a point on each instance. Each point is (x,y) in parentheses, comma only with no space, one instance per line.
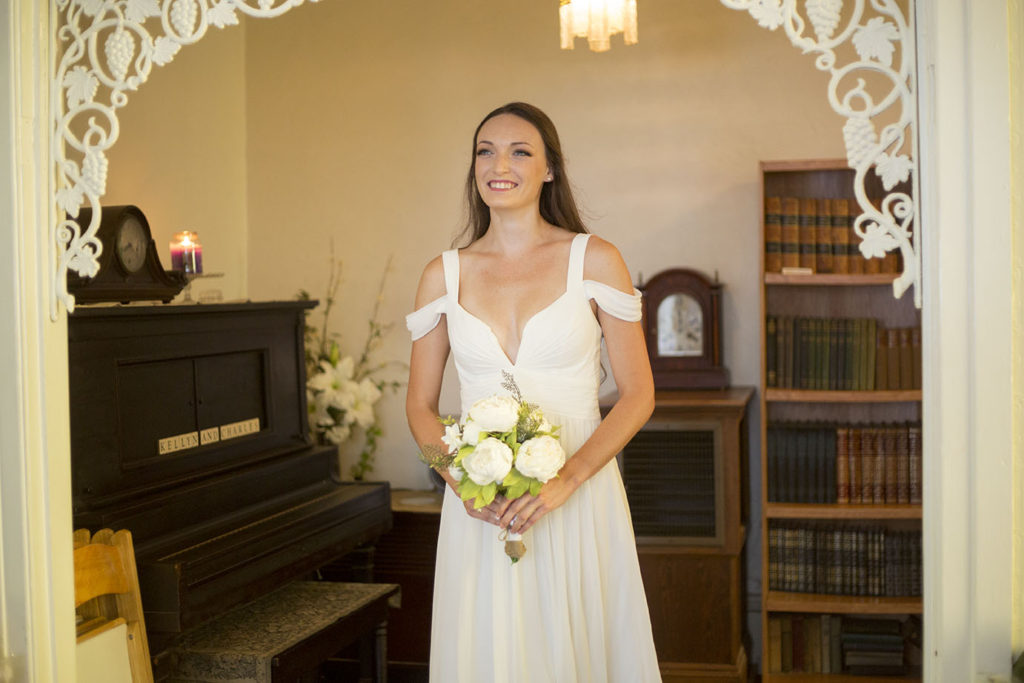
(883,453)
(914,463)
(881,362)
(868,454)
(903,466)
(773,234)
(857,260)
(892,349)
(843,465)
(906,359)
(915,347)
(856,466)
(823,236)
(840,235)
(771,368)
(808,233)
(895,448)
(790,232)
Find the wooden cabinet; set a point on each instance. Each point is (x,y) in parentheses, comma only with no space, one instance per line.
(840,520)
(685,477)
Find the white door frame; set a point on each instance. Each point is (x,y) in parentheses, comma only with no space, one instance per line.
(37,631)
(966,238)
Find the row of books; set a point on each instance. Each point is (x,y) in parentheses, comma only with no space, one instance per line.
(873,464)
(840,354)
(816,235)
(838,559)
(833,644)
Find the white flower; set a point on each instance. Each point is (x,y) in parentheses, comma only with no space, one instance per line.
(338,434)
(456,472)
(471,433)
(541,457)
(318,403)
(489,462)
(363,396)
(452,438)
(332,377)
(495,414)
(543,426)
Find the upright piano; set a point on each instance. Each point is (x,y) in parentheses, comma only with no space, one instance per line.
(189,428)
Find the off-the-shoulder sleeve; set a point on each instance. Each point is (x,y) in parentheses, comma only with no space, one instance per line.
(624,306)
(425,318)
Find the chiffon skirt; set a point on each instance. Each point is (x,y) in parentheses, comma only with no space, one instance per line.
(572,609)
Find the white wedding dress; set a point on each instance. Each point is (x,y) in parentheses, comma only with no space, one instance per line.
(573,609)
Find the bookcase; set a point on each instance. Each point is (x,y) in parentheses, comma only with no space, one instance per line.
(840,395)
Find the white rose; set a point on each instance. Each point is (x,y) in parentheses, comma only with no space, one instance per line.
(471,433)
(540,457)
(452,438)
(489,462)
(495,414)
(456,472)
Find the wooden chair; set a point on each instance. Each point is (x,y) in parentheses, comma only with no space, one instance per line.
(107,594)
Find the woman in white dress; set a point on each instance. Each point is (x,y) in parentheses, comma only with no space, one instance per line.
(533,295)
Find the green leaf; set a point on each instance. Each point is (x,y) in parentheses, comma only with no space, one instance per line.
(487,494)
(535,487)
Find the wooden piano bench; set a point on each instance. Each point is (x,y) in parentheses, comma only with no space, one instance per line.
(285,635)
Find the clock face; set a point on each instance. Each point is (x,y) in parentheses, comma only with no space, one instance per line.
(680,326)
(132,243)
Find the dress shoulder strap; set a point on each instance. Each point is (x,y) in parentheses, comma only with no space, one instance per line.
(450,263)
(577,252)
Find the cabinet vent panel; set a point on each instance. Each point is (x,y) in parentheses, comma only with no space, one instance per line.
(670,483)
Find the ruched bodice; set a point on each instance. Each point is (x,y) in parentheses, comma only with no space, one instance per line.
(563,612)
(558,365)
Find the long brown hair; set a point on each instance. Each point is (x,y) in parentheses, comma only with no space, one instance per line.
(557,205)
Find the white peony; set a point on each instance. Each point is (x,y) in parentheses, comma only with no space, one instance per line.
(540,457)
(495,414)
(489,462)
(471,433)
(452,438)
(456,472)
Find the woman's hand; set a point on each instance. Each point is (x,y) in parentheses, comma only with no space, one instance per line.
(522,513)
(488,513)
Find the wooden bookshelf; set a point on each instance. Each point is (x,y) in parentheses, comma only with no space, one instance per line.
(864,294)
(778,601)
(808,396)
(841,511)
(834,678)
(829,279)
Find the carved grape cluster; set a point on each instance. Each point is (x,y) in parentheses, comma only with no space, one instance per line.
(183,16)
(824,16)
(119,48)
(860,138)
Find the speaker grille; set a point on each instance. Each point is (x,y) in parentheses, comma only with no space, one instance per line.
(670,483)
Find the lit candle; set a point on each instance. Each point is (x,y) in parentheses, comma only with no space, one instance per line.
(187,252)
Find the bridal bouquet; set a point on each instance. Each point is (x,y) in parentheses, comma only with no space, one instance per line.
(504,446)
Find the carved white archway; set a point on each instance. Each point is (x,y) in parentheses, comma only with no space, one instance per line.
(110,46)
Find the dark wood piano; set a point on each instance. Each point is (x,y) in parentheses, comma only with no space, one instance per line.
(189,428)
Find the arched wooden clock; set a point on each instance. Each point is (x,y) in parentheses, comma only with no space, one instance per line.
(682,325)
(130,268)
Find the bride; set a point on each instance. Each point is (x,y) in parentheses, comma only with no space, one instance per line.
(533,295)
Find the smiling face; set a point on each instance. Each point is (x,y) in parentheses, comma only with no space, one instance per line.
(510,166)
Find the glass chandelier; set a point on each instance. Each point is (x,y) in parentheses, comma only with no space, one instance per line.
(597,21)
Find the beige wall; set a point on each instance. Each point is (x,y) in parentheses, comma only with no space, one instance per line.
(185,165)
(359,125)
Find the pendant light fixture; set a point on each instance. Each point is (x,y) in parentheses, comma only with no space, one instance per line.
(597,21)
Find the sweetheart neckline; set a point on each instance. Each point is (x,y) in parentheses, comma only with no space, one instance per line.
(522,335)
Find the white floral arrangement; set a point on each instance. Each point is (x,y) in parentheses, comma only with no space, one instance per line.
(342,391)
(503,446)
